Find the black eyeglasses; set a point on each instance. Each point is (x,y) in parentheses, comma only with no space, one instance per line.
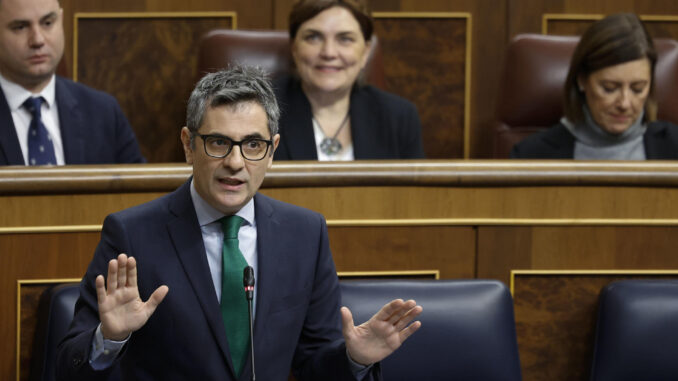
(218,146)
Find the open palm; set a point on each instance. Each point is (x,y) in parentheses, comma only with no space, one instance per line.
(121,310)
(378,337)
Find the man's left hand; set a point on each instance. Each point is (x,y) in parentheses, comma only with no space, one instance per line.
(378,337)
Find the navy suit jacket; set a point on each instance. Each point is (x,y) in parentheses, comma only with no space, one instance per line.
(383,125)
(297,324)
(93,128)
(660,141)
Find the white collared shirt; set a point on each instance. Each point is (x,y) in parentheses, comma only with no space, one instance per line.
(16,95)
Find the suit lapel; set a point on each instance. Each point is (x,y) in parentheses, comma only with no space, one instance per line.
(186,236)
(364,126)
(298,130)
(71,123)
(267,262)
(10,150)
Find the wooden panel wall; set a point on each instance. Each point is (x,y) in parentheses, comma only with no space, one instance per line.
(525,16)
(556,316)
(661,26)
(597,246)
(148,61)
(488,42)
(430,70)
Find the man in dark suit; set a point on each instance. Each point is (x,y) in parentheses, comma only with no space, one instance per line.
(192,327)
(46,119)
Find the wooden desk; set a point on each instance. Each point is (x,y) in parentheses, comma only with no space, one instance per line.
(465,219)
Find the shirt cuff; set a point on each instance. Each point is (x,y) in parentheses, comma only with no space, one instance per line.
(104,351)
(359,370)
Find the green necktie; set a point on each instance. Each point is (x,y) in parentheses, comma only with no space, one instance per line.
(233,303)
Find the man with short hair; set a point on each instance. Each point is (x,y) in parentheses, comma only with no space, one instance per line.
(184,254)
(46,119)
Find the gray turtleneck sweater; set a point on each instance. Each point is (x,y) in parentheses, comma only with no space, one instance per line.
(594,143)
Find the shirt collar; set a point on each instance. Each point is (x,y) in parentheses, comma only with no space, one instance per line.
(16,95)
(207,214)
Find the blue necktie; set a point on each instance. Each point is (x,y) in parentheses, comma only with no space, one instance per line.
(40,147)
(233,302)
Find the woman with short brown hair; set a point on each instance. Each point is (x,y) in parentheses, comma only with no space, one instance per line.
(610,110)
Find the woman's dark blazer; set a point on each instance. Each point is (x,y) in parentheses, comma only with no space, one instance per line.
(660,141)
(383,125)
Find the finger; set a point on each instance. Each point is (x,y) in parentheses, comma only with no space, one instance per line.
(155,299)
(346,320)
(112,275)
(101,290)
(400,312)
(386,312)
(408,317)
(407,332)
(131,272)
(122,270)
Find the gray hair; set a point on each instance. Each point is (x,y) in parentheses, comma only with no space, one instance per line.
(232,86)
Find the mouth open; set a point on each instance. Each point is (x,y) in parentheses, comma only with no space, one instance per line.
(231,181)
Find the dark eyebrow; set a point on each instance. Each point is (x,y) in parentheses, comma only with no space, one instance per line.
(16,23)
(217,136)
(51,15)
(310,32)
(255,136)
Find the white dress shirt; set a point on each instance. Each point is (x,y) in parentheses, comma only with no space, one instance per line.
(16,96)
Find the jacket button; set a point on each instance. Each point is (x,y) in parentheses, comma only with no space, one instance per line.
(76,361)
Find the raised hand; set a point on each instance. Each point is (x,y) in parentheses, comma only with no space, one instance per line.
(121,310)
(378,337)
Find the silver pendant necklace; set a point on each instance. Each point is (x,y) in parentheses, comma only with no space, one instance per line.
(331,145)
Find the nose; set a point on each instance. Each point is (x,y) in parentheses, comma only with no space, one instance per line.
(328,50)
(624,100)
(234,160)
(36,38)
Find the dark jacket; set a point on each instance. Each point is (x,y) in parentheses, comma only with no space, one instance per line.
(383,125)
(297,324)
(93,128)
(660,141)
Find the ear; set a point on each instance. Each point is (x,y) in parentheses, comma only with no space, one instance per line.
(276,141)
(186,144)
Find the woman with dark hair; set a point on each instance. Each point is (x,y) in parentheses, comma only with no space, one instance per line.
(327,113)
(610,110)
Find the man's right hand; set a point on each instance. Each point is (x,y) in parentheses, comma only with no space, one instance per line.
(121,310)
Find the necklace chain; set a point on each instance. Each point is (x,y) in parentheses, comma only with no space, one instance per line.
(331,145)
